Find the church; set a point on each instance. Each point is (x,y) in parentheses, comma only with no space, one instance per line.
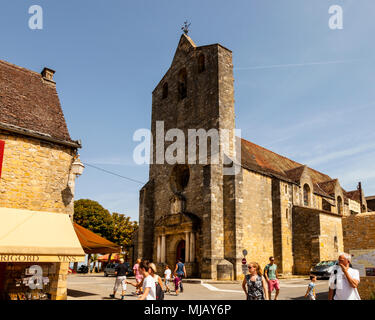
(273,206)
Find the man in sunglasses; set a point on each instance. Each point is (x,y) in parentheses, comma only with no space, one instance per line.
(270,273)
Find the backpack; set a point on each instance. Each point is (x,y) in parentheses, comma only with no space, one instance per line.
(159,292)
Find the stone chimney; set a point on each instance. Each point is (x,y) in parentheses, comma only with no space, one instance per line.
(47,75)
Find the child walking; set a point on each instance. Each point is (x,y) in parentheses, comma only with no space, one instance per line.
(176,281)
(167,278)
(311,289)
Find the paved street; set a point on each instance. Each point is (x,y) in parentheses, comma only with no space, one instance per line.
(98,287)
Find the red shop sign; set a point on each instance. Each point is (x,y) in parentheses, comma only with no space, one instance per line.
(2,144)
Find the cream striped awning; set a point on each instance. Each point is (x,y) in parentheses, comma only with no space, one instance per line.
(34,236)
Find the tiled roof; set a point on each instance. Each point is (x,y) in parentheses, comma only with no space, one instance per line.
(262,160)
(27,102)
(296,173)
(328,186)
(354,195)
(320,191)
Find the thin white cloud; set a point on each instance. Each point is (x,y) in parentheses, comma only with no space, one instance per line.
(296,65)
(341,154)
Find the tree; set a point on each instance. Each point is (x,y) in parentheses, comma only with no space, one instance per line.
(92,216)
(122,229)
(116,227)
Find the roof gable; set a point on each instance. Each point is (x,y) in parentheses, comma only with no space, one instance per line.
(185,45)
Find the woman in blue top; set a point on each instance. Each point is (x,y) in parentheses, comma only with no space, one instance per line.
(181,272)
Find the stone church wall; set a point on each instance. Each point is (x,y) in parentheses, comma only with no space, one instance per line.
(256,212)
(282,225)
(305,247)
(317,237)
(359,232)
(331,237)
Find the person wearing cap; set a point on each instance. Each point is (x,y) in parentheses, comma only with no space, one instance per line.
(120,272)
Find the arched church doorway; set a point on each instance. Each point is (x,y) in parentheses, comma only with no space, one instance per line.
(180,251)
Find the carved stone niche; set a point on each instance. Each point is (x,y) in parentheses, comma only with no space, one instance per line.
(178,204)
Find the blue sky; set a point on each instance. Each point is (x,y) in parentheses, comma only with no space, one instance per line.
(302,90)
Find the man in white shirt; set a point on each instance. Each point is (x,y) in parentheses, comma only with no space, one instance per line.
(344,281)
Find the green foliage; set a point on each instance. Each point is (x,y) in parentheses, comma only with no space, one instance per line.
(372,297)
(91,215)
(122,229)
(116,227)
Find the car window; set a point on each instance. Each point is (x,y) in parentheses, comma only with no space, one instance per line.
(326,264)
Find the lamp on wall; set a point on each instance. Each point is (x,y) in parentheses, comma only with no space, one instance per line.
(77,167)
(75,171)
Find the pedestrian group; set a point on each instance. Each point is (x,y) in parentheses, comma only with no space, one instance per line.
(257,285)
(149,286)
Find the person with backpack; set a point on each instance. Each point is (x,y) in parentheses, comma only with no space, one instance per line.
(147,283)
(181,272)
(151,283)
(158,282)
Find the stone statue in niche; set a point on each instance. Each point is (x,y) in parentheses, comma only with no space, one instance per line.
(178,202)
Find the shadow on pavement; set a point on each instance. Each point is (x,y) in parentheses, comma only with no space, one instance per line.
(319,296)
(79,294)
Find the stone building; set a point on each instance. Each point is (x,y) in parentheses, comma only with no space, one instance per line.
(359,241)
(38,166)
(273,206)
(371,203)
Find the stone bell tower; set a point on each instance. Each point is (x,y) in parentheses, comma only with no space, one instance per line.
(182,205)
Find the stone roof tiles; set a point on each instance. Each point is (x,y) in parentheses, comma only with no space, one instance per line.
(29,102)
(353,195)
(328,186)
(259,159)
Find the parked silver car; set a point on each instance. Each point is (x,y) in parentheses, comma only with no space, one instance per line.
(324,268)
(110,269)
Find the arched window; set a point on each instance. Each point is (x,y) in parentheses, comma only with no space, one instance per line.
(165,90)
(201,63)
(306,195)
(182,84)
(339,205)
